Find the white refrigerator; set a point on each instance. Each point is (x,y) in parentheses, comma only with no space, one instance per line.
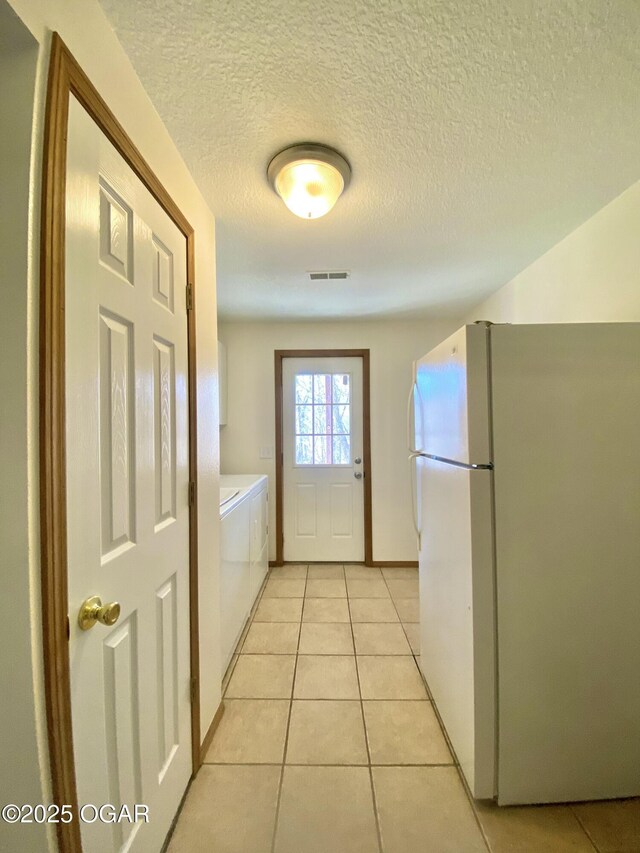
(526,454)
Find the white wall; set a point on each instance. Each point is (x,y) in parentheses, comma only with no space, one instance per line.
(251,408)
(19,783)
(87,33)
(593,275)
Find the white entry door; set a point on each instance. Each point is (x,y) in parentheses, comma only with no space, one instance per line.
(322,460)
(127,492)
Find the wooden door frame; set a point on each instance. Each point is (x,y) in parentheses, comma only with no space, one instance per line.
(66,78)
(364,354)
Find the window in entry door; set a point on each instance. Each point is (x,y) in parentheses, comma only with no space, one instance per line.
(323,418)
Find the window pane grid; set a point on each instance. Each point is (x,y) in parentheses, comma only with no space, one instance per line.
(322,419)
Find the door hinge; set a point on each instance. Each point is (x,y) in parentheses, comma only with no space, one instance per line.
(193,686)
(192,492)
(189,297)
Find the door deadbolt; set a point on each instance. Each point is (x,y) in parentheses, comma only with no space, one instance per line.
(357,460)
(93,610)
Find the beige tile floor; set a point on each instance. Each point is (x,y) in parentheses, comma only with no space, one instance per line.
(329,743)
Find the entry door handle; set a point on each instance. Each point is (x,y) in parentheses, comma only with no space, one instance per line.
(93,610)
(357,475)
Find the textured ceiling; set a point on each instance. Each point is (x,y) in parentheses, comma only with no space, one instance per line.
(480,133)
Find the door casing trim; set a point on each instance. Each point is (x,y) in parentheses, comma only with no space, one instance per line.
(67,78)
(364,354)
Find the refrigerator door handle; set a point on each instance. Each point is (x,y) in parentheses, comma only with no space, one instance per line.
(411,415)
(414,497)
(411,419)
(468,466)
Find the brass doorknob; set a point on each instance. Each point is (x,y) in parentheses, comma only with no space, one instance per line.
(93,610)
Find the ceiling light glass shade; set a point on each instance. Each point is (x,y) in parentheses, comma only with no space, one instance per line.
(309,179)
(308,188)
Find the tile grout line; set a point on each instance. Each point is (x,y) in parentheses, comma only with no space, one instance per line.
(444,734)
(282,765)
(369,764)
(315,764)
(235,656)
(243,636)
(321,699)
(286,736)
(364,723)
(384,578)
(472,803)
(322,654)
(583,827)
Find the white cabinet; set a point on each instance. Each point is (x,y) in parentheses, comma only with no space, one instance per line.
(222,382)
(235,572)
(244,554)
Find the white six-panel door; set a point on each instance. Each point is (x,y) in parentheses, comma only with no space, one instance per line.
(323,495)
(127,491)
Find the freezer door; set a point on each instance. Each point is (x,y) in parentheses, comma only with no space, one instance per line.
(457,613)
(453,393)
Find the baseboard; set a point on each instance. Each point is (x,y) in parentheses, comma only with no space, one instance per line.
(378,564)
(206,743)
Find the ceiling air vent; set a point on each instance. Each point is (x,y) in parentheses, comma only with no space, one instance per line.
(328,275)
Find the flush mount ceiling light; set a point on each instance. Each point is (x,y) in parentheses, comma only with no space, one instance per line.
(309,178)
